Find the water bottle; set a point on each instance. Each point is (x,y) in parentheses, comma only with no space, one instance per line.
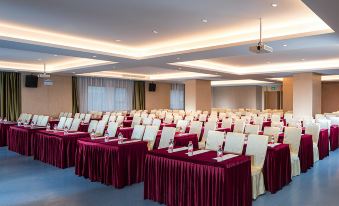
(220,153)
(19,123)
(106,136)
(32,124)
(190,149)
(120,138)
(92,134)
(171,145)
(55,128)
(5,119)
(272,139)
(65,130)
(48,127)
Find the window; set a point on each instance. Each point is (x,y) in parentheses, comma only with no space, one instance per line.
(104,94)
(177,99)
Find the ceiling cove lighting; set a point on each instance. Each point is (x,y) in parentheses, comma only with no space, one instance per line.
(309,24)
(326,78)
(274,5)
(262,68)
(239,82)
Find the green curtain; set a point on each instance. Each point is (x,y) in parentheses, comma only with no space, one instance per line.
(75,96)
(139,95)
(10,95)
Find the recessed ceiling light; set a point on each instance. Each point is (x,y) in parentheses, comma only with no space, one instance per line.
(118,40)
(155,31)
(55,55)
(179,68)
(285,45)
(94,56)
(268,62)
(178,58)
(73,72)
(302,59)
(274,4)
(39,59)
(204,20)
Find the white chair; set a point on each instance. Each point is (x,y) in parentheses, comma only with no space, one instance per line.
(208,126)
(166,135)
(214,140)
(202,117)
(120,119)
(293,137)
(61,114)
(75,125)
(251,129)
(257,147)
(43,122)
(87,118)
(239,126)
(150,135)
(138,132)
(92,126)
(99,131)
(156,122)
(112,129)
(189,118)
(168,120)
(147,121)
(182,124)
(314,129)
(61,123)
(275,118)
(177,118)
(195,128)
(234,142)
(77,116)
(40,117)
(136,121)
(258,121)
(288,117)
(105,118)
(112,118)
(34,119)
(68,122)
(82,116)
(280,125)
(226,123)
(272,132)
(69,115)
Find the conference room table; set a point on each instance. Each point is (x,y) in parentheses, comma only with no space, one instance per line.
(56,148)
(180,139)
(19,138)
(305,151)
(127,123)
(111,163)
(175,179)
(162,125)
(334,137)
(4,127)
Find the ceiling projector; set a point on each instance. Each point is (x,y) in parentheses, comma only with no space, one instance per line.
(44,75)
(261,48)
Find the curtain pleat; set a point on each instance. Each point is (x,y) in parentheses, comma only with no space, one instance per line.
(177,96)
(75,96)
(139,95)
(10,95)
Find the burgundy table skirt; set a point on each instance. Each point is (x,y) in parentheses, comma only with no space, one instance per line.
(162,125)
(83,127)
(129,118)
(4,127)
(178,180)
(125,131)
(180,139)
(305,151)
(111,163)
(334,137)
(277,168)
(19,139)
(53,122)
(127,123)
(323,144)
(56,148)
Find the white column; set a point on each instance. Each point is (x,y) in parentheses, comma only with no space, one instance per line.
(306,94)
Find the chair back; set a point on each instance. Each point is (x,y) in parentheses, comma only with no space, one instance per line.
(272,132)
(209,126)
(251,129)
(87,118)
(77,115)
(92,125)
(234,142)
(138,132)
(100,128)
(44,121)
(120,119)
(35,119)
(314,130)
(112,129)
(214,140)
(136,121)
(257,147)
(75,124)
(239,126)
(292,137)
(166,135)
(68,122)
(182,124)
(147,121)
(61,123)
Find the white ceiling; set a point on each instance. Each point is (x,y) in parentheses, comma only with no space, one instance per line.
(179,23)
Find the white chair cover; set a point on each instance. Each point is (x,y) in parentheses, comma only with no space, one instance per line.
(100,128)
(87,118)
(150,135)
(226,123)
(156,122)
(44,121)
(239,126)
(257,147)
(251,129)
(120,119)
(61,123)
(35,119)
(112,129)
(166,135)
(147,121)
(40,117)
(105,118)
(82,116)
(68,122)
(234,142)
(112,118)
(75,124)
(136,121)
(92,125)
(214,139)
(182,124)
(272,132)
(168,120)
(314,130)
(138,132)
(77,116)
(293,137)
(196,128)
